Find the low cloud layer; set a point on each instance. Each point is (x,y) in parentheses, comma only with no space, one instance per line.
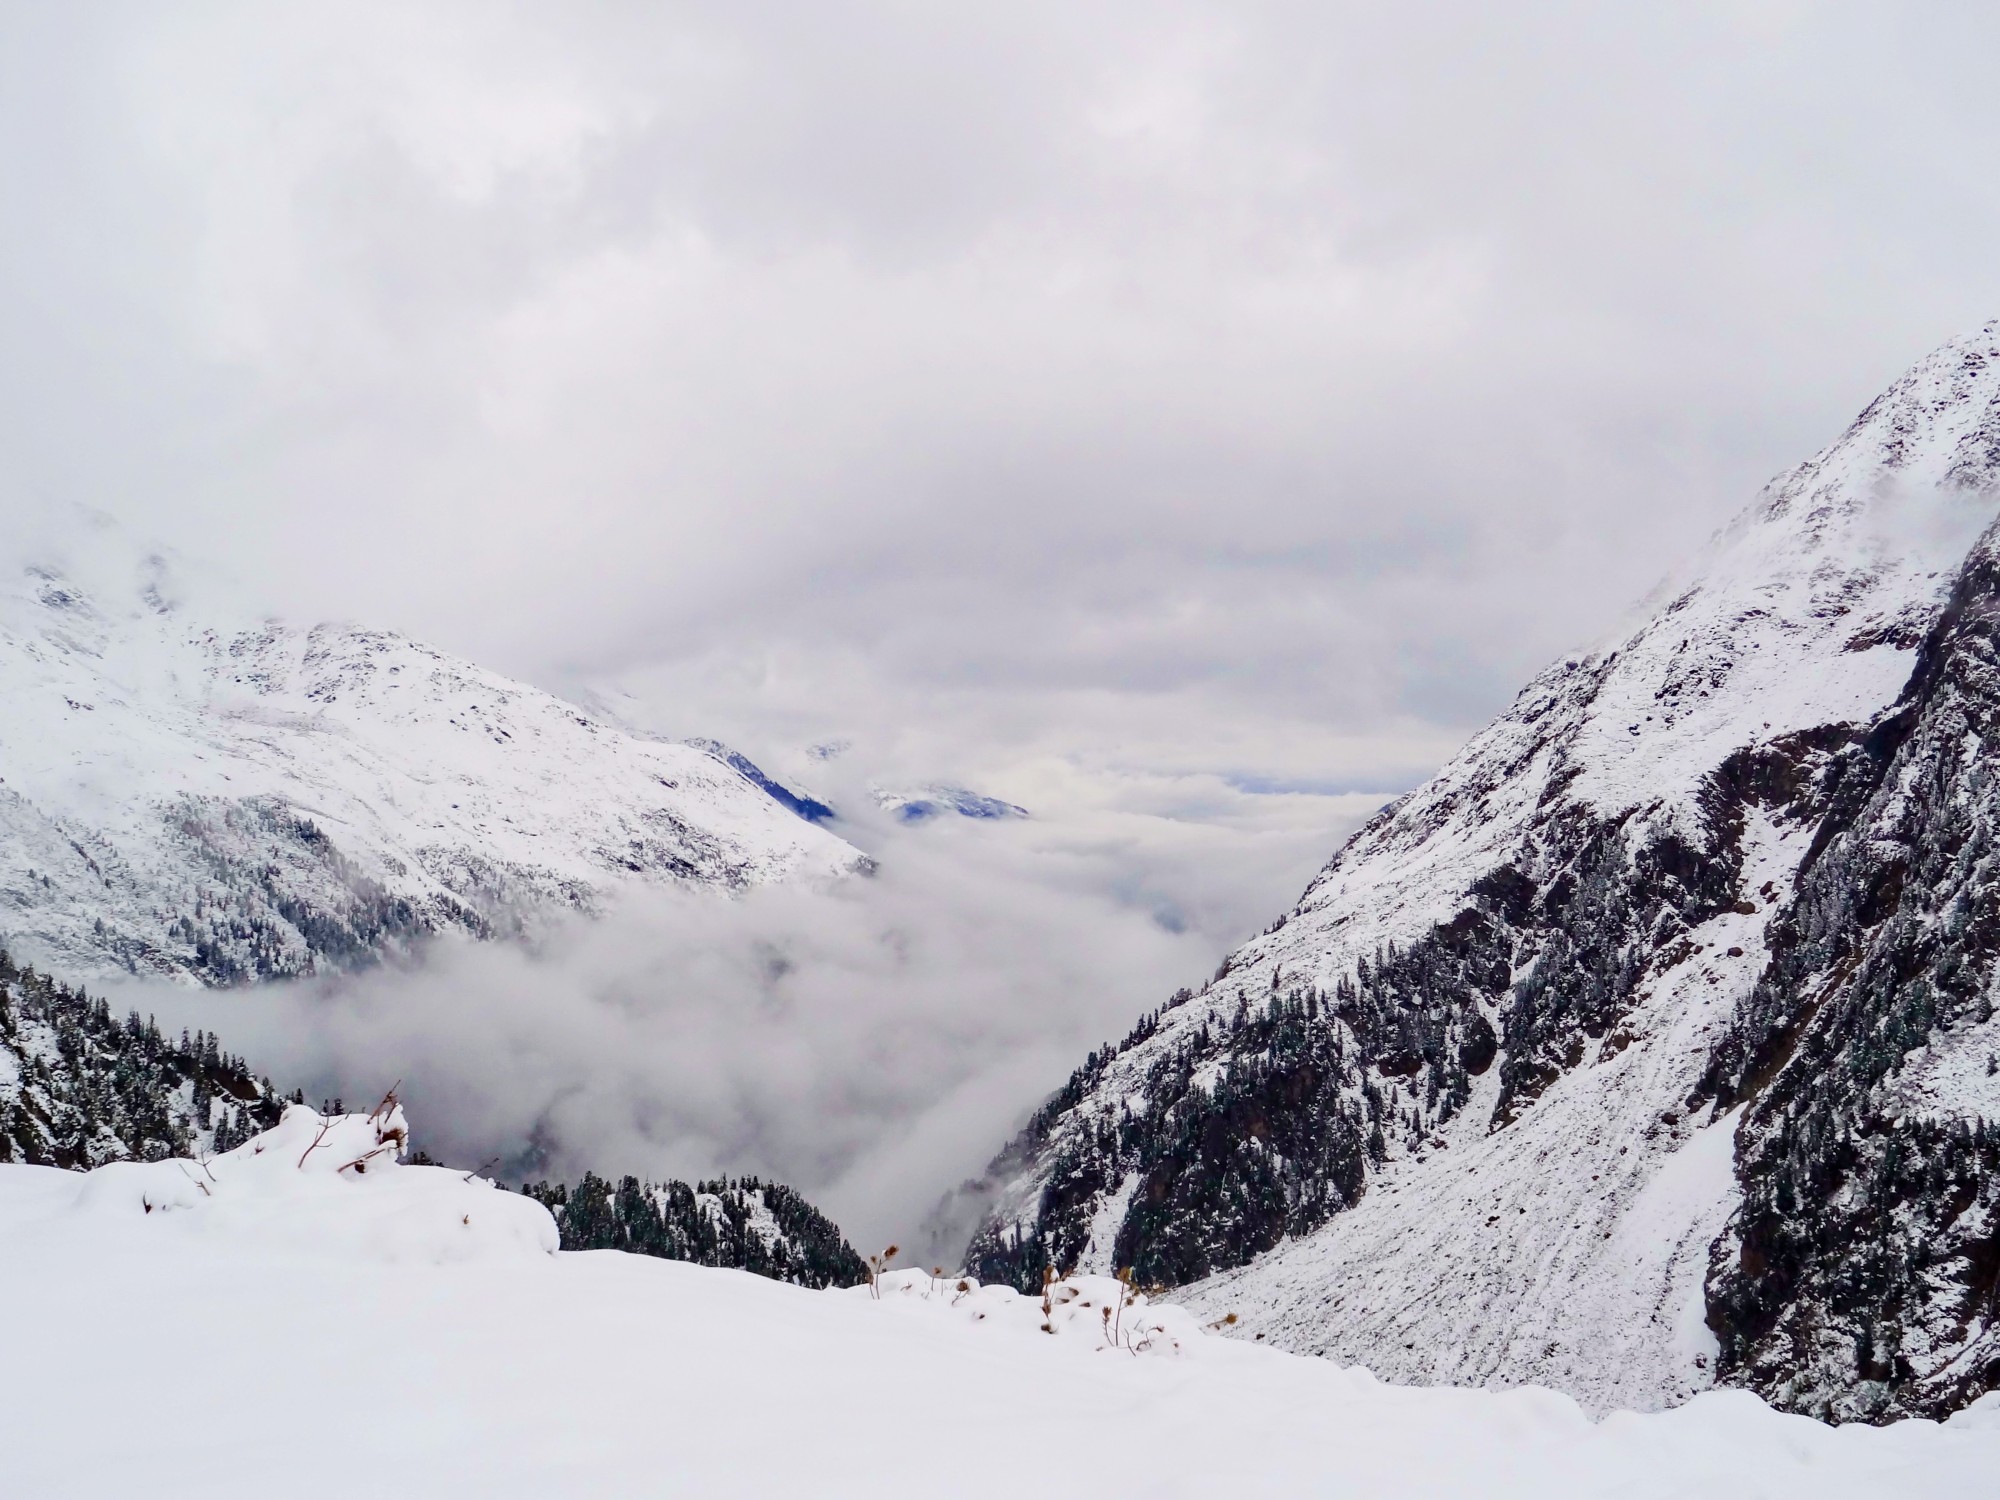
(873,1045)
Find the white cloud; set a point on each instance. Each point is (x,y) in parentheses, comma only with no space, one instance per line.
(872,1046)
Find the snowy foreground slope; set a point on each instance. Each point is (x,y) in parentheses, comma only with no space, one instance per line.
(1708,912)
(305,1315)
(188,790)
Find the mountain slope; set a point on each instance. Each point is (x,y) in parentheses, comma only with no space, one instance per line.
(1458,1115)
(220,798)
(1861,1276)
(793,799)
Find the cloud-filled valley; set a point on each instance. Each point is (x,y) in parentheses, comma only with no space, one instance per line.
(1332,662)
(871,1045)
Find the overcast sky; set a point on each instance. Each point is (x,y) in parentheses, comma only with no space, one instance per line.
(1190,421)
(1261,388)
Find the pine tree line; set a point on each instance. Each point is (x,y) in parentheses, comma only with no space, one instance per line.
(88,1088)
(1261,1120)
(743,1224)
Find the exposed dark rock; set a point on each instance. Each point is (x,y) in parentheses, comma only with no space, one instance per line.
(1858,1279)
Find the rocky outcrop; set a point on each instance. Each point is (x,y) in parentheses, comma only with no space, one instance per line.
(1861,1277)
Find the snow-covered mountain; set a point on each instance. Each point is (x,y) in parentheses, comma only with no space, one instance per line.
(193,791)
(787,795)
(1651,1043)
(937,799)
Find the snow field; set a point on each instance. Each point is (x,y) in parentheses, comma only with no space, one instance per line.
(310,1328)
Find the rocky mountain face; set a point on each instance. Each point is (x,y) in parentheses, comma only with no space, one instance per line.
(1648,1045)
(1861,1274)
(195,792)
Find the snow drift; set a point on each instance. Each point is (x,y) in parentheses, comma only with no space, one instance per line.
(306,1313)
(317,1187)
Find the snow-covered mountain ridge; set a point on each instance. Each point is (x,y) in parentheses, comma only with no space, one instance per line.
(919,804)
(1483,1106)
(218,798)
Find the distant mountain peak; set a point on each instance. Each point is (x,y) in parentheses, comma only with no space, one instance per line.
(920,804)
(793,799)
(190,789)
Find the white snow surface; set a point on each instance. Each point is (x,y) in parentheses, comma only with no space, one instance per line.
(159,759)
(329,1189)
(936,798)
(310,1328)
(1569,1248)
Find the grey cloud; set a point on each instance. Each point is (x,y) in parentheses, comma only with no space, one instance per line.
(632,326)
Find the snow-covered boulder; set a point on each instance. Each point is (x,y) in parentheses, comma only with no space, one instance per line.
(332,1186)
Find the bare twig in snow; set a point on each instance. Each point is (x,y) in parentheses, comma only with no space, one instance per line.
(360,1163)
(325,1124)
(388,1104)
(877,1264)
